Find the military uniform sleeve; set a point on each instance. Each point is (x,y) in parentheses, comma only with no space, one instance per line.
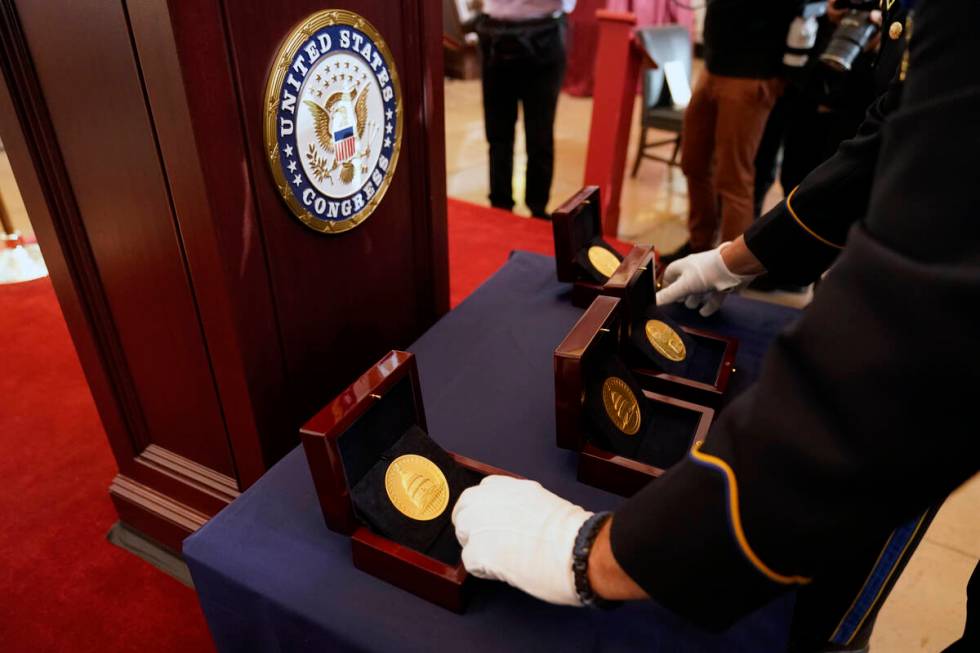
(863,414)
(800,237)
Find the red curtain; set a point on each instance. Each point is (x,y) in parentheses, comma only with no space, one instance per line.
(583,33)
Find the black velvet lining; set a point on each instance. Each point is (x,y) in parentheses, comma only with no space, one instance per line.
(435,538)
(666,431)
(375,431)
(600,363)
(704,355)
(705,359)
(672,436)
(585,226)
(583,263)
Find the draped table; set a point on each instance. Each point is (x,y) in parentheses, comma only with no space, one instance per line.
(271,577)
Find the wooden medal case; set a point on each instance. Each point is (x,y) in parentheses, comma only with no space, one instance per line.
(596,466)
(390,385)
(575,225)
(715,352)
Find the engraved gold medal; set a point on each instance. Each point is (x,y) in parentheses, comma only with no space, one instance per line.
(603,260)
(621,406)
(417,487)
(666,341)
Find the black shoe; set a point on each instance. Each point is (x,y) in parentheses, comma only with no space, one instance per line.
(541,215)
(679,253)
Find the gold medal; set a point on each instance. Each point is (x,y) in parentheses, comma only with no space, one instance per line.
(417,487)
(603,260)
(621,405)
(666,341)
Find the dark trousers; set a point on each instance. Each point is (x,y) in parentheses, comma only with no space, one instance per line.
(837,611)
(807,135)
(523,63)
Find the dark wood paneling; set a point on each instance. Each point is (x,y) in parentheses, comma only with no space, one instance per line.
(153,513)
(33,147)
(91,83)
(342,301)
(429,76)
(30,143)
(202,147)
(209,322)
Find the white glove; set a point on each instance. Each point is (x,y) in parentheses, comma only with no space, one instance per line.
(700,279)
(518,532)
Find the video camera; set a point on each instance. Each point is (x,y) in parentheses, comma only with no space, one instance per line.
(852,35)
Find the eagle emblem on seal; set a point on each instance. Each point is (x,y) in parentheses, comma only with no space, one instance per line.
(333,120)
(339,127)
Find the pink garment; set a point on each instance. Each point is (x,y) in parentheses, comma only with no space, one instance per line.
(583,34)
(654,12)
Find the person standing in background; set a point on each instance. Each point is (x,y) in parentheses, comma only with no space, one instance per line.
(823,104)
(820,477)
(744,42)
(522,43)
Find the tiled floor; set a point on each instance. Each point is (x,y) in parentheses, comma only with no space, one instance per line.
(926,610)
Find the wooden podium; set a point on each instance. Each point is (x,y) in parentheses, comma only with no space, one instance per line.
(210,322)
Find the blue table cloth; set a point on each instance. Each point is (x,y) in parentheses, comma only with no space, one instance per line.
(271,577)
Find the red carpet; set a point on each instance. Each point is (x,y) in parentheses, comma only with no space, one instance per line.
(63,587)
(480,238)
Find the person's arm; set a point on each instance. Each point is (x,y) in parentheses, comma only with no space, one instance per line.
(861,418)
(739,259)
(863,414)
(801,236)
(703,279)
(606,576)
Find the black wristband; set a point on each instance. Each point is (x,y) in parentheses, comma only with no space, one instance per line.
(580,561)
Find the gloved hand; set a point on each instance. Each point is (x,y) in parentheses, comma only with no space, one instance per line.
(518,532)
(700,279)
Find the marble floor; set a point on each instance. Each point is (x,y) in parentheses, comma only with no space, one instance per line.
(927,608)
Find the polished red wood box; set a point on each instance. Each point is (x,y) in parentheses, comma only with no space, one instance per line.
(718,351)
(396,375)
(597,466)
(575,224)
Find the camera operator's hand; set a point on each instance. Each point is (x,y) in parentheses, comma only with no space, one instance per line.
(703,279)
(517,532)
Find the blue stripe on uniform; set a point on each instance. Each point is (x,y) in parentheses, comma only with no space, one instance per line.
(879,576)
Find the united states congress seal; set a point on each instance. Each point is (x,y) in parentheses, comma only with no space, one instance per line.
(665,340)
(417,487)
(333,122)
(621,406)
